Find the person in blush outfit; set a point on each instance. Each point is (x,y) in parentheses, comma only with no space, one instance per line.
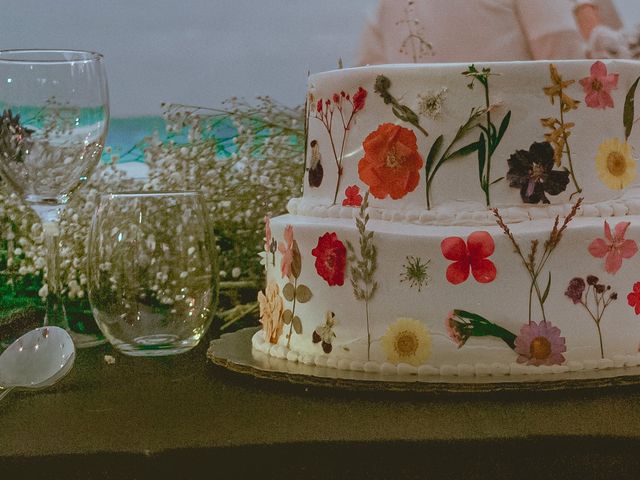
(430,31)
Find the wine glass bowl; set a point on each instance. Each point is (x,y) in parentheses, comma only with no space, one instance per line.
(54,119)
(54,115)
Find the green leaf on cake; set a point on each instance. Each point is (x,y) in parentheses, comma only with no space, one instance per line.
(503,128)
(287,316)
(433,151)
(546,290)
(297,325)
(303,294)
(296,263)
(288,292)
(464,151)
(629,109)
(482,157)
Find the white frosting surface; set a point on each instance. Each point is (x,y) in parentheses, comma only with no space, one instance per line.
(516,87)
(337,329)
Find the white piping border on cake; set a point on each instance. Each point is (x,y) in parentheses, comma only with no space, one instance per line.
(460,370)
(612,208)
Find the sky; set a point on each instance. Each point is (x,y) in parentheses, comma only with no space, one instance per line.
(200,52)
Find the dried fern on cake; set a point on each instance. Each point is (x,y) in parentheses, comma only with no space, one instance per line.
(531,262)
(363,266)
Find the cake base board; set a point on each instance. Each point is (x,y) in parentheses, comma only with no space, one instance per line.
(233,352)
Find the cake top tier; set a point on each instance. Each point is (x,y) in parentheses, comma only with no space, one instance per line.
(447,138)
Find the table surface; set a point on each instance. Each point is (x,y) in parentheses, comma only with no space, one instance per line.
(160,414)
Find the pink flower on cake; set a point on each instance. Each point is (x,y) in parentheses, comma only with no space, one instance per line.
(456,330)
(613,247)
(540,344)
(331,259)
(353,197)
(287,252)
(359,99)
(598,86)
(471,255)
(633,299)
(391,164)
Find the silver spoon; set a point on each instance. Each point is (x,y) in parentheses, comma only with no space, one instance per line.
(36,360)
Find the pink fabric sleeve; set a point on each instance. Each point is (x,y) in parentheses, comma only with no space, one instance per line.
(550,29)
(371,49)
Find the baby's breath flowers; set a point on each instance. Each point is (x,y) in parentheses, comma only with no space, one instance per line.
(247,161)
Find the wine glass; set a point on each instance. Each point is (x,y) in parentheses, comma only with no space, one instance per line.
(153,277)
(54,116)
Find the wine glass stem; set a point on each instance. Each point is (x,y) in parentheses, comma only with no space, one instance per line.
(55,314)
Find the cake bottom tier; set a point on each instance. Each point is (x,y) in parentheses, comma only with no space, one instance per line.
(453,300)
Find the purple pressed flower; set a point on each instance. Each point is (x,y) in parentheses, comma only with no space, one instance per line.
(540,344)
(532,172)
(575,289)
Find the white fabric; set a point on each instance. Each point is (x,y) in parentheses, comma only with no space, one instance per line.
(472,30)
(607,43)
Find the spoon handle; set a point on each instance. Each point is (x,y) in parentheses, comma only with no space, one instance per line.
(4,391)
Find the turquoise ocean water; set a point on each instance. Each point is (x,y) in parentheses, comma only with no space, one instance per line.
(127,133)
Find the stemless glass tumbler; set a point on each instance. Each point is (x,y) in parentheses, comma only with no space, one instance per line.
(54,113)
(153,279)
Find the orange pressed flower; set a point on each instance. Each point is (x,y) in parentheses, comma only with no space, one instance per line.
(391,163)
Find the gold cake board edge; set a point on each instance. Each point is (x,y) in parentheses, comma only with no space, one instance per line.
(233,352)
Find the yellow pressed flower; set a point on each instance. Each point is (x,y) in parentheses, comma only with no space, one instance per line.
(558,136)
(557,84)
(271,305)
(614,164)
(556,90)
(407,341)
(567,102)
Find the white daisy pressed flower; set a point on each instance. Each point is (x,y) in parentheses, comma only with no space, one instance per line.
(407,341)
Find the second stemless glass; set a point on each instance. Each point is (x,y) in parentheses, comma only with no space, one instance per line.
(152,271)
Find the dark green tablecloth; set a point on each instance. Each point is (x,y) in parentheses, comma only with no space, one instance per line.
(169,417)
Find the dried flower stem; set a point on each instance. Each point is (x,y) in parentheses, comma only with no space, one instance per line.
(534,269)
(362,269)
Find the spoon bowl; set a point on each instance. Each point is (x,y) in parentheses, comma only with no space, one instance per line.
(37,359)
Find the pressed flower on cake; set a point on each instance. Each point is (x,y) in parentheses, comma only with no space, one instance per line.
(613,247)
(271,306)
(331,259)
(352,197)
(633,298)
(615,166)
(391,163)
(471,255)
(324,334)
(582,293)
(598,86)
(407,341)
(532,172)
(286,250)
(540,344)
(325,111)
(575,289)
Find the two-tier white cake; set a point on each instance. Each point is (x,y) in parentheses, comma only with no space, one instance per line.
(462,220)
